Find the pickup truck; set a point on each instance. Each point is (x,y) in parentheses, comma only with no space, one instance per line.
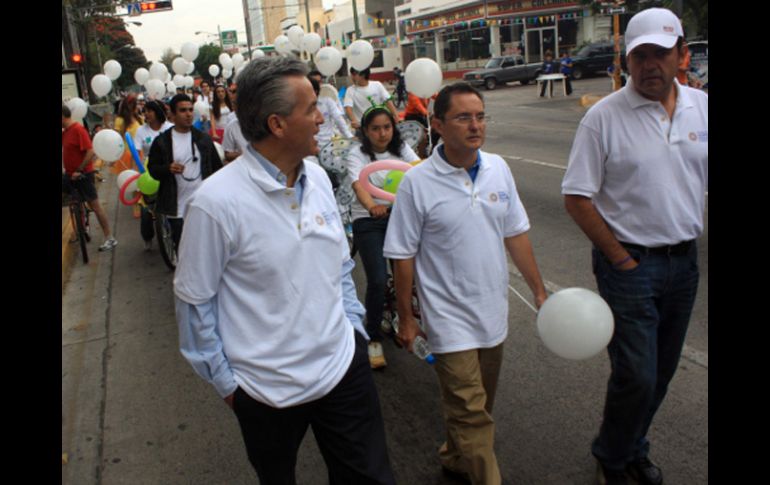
(501,70)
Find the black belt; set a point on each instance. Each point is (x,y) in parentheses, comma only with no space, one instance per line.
(675,250)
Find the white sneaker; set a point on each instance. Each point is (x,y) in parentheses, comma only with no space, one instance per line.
(376,355)
(108,244)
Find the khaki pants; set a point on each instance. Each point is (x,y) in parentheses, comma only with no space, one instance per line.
(468,381)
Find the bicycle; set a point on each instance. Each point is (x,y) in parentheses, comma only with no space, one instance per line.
(163,234)
(389,324)
(80,213)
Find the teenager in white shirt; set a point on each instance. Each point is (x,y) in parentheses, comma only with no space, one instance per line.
(364,94)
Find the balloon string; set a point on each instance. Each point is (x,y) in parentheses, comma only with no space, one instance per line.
(522,298)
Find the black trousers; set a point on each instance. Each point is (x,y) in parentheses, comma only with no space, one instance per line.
(347,424)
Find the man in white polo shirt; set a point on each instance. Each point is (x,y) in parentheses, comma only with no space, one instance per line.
(454,216)
(635,184)
(266,305)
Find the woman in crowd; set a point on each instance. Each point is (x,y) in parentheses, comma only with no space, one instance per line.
(380,140)
(221,111)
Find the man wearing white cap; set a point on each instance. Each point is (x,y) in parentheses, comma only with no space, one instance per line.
(636,184)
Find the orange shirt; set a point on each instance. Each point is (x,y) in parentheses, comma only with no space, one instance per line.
(416,106)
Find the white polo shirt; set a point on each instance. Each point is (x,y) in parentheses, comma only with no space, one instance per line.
(274,266)
(233,139)
(454,228)
(646,174)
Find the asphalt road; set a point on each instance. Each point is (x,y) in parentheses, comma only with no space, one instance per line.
(134,412)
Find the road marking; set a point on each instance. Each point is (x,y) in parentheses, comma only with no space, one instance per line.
(695,356)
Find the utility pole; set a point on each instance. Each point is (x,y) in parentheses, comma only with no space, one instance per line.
(355,19)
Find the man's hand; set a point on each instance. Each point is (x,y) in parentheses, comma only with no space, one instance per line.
(229,400)
(176,168)
(408,330)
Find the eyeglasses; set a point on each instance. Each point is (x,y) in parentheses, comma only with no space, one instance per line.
(466,119)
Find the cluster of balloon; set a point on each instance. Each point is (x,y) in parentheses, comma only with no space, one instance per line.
(131,180)
(575,323)
(391,180)
(158,81)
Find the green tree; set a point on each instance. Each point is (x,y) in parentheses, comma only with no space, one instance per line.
(207,55)
(168,58)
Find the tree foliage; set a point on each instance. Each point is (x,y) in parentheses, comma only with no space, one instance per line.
(207,55)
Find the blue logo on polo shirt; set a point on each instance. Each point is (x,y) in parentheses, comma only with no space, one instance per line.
(504,197)
(329,217)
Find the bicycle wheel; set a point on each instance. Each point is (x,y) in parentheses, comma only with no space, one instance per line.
(165,240)
(77,213)
(87,222)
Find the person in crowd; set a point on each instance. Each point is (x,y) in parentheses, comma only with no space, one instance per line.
(221,112)
(547,68)
(565,66)
(363,94)
(380,140)
(282,345)
(454,217)
(635,185)
(77,162)
(155,124)
(234,144)
(180,159)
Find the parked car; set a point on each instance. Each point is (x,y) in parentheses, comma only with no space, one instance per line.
(501,70)
(596,58)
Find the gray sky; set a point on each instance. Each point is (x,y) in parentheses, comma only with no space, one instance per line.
(162,30)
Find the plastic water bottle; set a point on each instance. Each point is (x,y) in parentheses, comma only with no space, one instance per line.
(421,350)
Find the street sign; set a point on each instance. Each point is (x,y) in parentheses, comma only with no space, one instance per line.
(229,37)
(134,9)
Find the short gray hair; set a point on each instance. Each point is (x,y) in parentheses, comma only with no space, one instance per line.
(263,91)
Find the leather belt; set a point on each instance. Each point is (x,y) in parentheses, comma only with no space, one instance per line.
(674,250)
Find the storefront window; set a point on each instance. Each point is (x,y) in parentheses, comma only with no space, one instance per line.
(466,45)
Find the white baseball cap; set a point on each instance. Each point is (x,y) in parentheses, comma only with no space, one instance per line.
(657,26)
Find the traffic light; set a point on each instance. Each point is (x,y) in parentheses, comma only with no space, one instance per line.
(76,58)
(149,6)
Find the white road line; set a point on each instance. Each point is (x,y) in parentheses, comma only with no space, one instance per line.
(695,356)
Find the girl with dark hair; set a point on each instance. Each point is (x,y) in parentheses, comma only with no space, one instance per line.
(155,116)
(380,140)
(221,109)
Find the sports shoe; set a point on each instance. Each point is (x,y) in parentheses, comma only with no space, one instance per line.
(110,243)
(605,476)
(645,472)
(376,355)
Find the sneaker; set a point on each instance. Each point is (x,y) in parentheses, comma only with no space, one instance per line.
(148,245)
(605,476)
(108,244)
(376,355)
(645,472)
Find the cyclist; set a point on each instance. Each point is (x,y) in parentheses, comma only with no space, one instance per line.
(77,157)
(155,117)
(380,140)
(180,158)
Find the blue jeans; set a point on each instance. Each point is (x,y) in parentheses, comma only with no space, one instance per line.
(369,238)
(651,305)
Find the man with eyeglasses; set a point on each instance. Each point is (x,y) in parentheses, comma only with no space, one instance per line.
(454,216)
(180,158)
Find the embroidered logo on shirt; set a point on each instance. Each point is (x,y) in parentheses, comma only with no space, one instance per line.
(701,136)
(493,197)
(503,196)
(329,217)
(693,136)
(319,220)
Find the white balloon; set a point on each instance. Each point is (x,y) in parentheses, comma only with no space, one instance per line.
(112,69)
(201,108)
(311,42)
(295,34)
(360,54)
(78,108)
(222,57)
(237,60)
(179,65)
(190,68)
(108,145)
(189,51)
(214,70)
(189,81)
(155,88)
(141,75)
(178,80)
(158,70)
(257,53)
(423,77)
(575,323)
(101,85)
(227,73)
(328,60)
(123,178)
(171,87)
(227,64)
(282,44)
